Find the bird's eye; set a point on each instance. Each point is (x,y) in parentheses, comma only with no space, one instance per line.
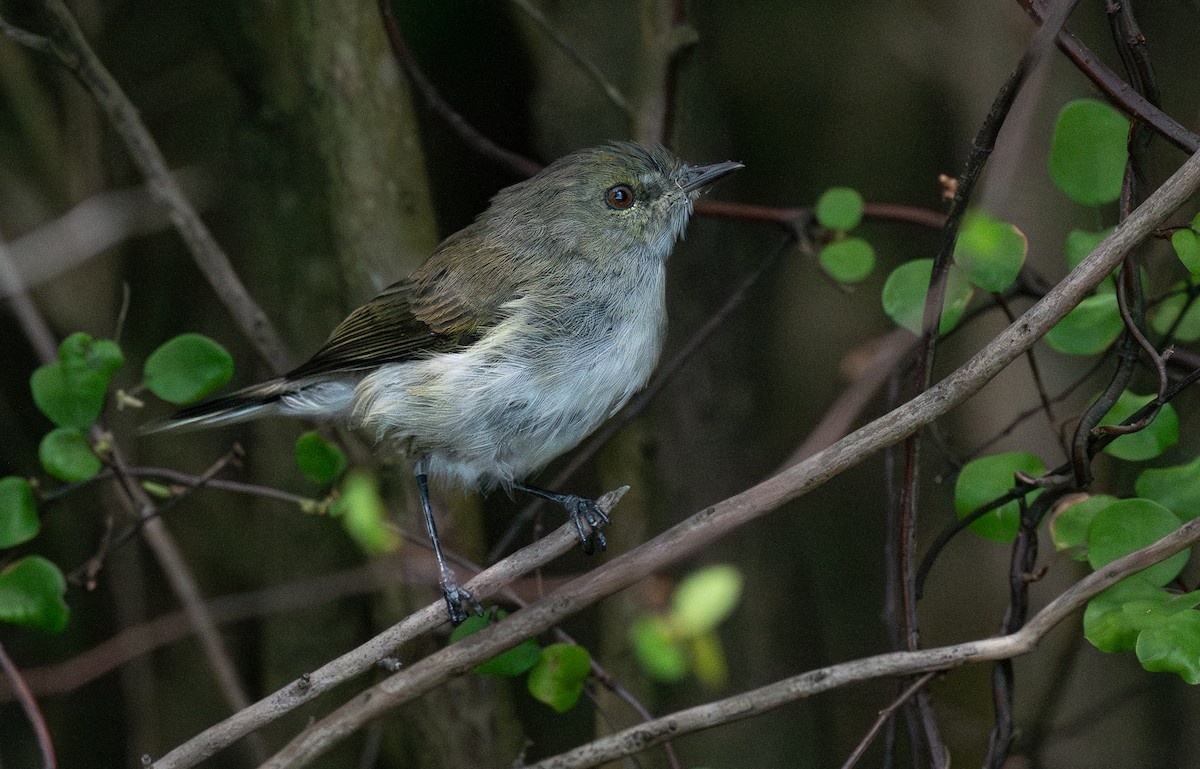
(619,196)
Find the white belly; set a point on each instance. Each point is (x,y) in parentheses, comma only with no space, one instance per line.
(505,407)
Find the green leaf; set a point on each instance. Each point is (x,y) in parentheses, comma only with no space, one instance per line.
(987,478)
(1187,247)
(704,599)
(839,208)
(708,659)
(1131,524)
(185,369)
(1175,488)
(1173,646)
(70,391)
(657,650)
(509,664)
(1089,328)
(1157,437)
(1069,525)
(558,677)
(848,260)
(66,454)
(991,251)
(364,515)
(19,520)
(1088,152)
(1167,312)
(31,595)
(1107,624)
(905,290)
(319,459)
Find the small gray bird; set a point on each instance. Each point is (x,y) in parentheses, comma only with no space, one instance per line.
(518,337)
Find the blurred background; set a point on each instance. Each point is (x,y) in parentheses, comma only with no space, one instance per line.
(325,177)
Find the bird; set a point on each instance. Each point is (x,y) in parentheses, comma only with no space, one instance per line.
(514,341)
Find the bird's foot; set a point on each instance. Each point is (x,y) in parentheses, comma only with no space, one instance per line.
(459,602)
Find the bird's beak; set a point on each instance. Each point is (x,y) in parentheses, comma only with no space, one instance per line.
(692,178)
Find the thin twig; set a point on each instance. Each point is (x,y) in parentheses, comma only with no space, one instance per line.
(885,715)
(1115,87)
(16,682)
(518,164)
(566,46)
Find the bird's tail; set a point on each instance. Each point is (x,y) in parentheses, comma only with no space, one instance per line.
(239,406)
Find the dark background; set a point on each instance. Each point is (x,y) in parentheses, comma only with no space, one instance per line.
(324,179)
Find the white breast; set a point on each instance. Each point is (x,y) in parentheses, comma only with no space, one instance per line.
(530,390)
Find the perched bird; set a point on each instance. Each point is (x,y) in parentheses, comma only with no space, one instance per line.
(519,336)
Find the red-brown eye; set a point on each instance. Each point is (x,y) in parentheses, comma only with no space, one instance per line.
(619,196)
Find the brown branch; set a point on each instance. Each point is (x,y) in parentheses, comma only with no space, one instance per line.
(481,144)
(357,661)
(37,721)
(72,49)
(789,690)
(1114,86)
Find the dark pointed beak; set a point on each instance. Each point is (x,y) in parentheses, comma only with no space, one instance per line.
(694,177)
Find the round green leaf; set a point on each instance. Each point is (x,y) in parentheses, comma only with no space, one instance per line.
(704,599)
(364,515)
(1131,524)
(319,459)
(1088,152)
(1069,525)
(187,368)
(66,454)
(988,478)
(1157,437)
(991,251)
(558,677)
(1110,626)
(1175,488)
(509,664)
(848,260)
(31,595)
(1187,246)
(905,290)
(1167,313)
(70,391)
(657,650)
(1173,646)
(1089,328)
(839,208)
(19,520)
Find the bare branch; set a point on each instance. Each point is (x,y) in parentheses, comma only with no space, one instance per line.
(73,50)
(805,685)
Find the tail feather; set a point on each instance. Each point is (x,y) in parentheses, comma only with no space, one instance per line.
(240,406)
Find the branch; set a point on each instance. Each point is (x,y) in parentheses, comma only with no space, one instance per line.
(712,523)
(1120,92)
(758,701)
(36,720)
(72,49)
(365,657)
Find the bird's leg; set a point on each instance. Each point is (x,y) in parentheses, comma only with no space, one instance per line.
(586,514)
(458,599)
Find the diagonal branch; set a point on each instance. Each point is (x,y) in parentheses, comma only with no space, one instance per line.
(72,49)
(789,690)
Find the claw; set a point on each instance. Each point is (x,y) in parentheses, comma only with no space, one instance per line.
(459,602)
